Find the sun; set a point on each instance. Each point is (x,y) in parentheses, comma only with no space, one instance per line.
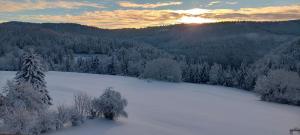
(192,19)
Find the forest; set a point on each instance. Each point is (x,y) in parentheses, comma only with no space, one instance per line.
(263,57)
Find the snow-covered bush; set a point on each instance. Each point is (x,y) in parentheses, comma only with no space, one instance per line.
(68,116)
(163,69)
(45,121)
(76,118)
(20,121)
(63,116)
(279,86)
(110,104)
(28,122)
(83,104)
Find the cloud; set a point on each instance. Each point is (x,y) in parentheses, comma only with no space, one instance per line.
(145,18)
(231,2)
(13,6)
(272,13)
(214,3)
(195,11)
(115,19)
(147,5)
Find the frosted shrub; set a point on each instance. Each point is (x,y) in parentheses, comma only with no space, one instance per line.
(28,122)
(76,118)
(45,121)
(110,104)
(67,116)
(63,116)
(83,104)
(20,121)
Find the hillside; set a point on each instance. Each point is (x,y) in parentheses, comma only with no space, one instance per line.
(172,108)
(232,54)
(286,56)
(233,42)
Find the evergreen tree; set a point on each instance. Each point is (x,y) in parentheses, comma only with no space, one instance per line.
(228,77)
(32,72)
(216,74)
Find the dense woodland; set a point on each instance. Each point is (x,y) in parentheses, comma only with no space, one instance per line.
(248,55)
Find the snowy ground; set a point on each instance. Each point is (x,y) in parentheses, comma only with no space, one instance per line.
(159,108)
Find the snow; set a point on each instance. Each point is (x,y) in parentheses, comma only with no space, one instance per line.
(161,108)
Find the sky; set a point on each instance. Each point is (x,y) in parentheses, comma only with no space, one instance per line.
(115,14)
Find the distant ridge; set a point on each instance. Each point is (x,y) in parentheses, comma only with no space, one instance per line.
(232,41)
(182,24)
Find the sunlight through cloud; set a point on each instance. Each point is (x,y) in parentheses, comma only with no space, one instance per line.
(191,19)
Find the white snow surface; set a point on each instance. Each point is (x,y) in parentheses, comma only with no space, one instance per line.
(161,108)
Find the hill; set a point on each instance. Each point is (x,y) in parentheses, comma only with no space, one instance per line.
(232,54)
(224,43)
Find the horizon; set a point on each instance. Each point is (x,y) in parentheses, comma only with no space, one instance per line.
(157,26)
(118,14)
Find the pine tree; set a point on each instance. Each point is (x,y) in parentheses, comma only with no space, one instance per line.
(205,72)
(228,77)
(216,74)
(32,72)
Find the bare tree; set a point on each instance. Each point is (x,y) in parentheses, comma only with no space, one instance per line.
(83,103)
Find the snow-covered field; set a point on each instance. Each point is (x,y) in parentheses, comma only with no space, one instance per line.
(160,108)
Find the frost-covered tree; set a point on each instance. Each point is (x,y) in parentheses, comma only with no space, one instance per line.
(163,69)
(2,104)
(110,104)
(279,86)
(83,104)
(196,73)
(229,79)
(216,74)
(2,99)
(114,66)
(32,72)
(23,95)
(240,75)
